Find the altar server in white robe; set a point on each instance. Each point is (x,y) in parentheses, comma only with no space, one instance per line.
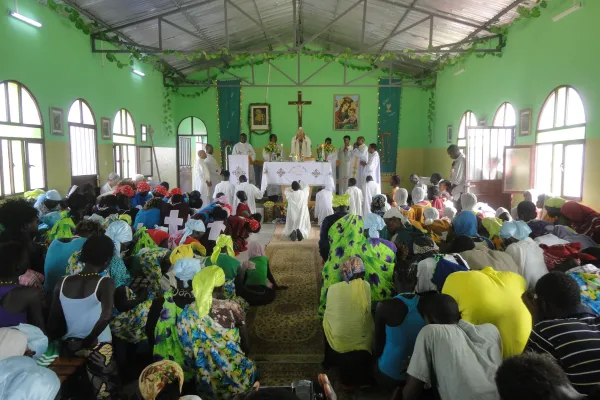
(323,201)
(370,167)
(225,187)
(201,176)
(356,197)
(301,144)
(331,158)
(361,154)
(345,155)
(252,192)
(213,169)
(297,223)
(243,148)
(272,190)
(371,190)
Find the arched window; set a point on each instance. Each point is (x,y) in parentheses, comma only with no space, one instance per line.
(191,137)
(82,138)
(561,144)
(125,152)
(21,140)
(468,119)
(505,116)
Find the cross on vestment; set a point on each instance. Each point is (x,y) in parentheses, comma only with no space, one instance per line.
(299,103)
(173,221)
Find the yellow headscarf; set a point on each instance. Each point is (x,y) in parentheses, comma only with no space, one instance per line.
(222,241)
(186,251)
(203,284)
(555,202)
(341,200)
(158,375)
(493,226)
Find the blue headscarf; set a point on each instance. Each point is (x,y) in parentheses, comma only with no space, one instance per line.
(516,229)
(374,223)
(465,224)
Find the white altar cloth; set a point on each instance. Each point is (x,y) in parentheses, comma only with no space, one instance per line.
(313,173)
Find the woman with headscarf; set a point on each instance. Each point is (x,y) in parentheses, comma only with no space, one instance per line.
(437,228)
(395,184)
(22,378)
(465,224)
(432,267)
(468,201)
(373,224)
(526,253)
(149,216)
(212,333)
(551,210)
(48,202)
(255,281)
(192,232)
(401,200)
(142,195)
(324,201)
(348,324)
(378,205)
(419,204)
(163,380)
(503,214)
(348,240)
(583,219)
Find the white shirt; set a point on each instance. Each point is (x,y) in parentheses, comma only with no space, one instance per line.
(323,205)
(426,269)
(106,188)
(361,153)
(214,170)
(244,149)
(302,148)
(371,190)
(345,167)
(297,211)
(372,168)
(227,188)
(459,177)
(356,200)
(252,192)
(201,175)
(530,257)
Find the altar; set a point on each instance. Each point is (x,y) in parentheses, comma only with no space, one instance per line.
(312,173)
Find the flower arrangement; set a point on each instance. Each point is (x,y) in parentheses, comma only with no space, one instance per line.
(269,204)
(272,148)
(284,209)
(329,148)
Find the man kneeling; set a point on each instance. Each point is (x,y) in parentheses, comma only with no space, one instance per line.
(297,224)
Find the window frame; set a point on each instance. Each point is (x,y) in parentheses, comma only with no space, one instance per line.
(24,141)
(564,143)
(118,144)
(466,117)
(504,125)
(143,133)
(87,126)
(139,160)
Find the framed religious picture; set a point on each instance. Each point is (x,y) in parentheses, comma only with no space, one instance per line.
(346,112)
(525,122)
(105,128)
(449,134)
(259,117)
(57,122)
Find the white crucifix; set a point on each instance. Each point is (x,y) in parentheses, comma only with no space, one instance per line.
(216,228)
(173,221)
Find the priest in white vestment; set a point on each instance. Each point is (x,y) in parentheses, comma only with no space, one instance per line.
(213,169)
(301,144)
(297,222)
(370,167)
(324,200)
(252,192)
(356,197)
(201,177)
(371,190)
(361,156)
(345,155)
(330,155)
(243,148)
(225,187)
(268,151)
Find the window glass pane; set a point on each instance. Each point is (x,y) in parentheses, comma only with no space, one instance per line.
(561,107)
(573,170)
(130,127)
(35,155)
(198,127)
(123,139)
(575,110)
(3,116)
(123,122)
(561,135)
(75,113)
(543,168)
(13,102)
(18,173)
(485,154)
(145,161)
(118,160)
(117,124)
(185,127)
(499,117)
(132,160)
(31,113)
(88,117)
(510,115)
(6,167)
(557,168)
(547,116)
(83,151)
(462,143)
(24,132)
(472,119)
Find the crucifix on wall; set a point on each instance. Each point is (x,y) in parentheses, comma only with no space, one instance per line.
(299,103)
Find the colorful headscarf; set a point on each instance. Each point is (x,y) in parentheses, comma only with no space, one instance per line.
(516,229)
(493,226)
(222,199)
(255,249)
(186,268)
(468,201)
(158,235)
(190,226)
(186,251)
(502,210)
(174,191)
(160,190)
(143,187)
(585,220)
(395,212)
(120,233)
(340,201)
(425,247)
(23,378)
(378,203)
(449,212)
(156,376)
(430,214)
(465,224)
(418,195)
(203,285)
(401,197)
(125,190)
(223,241)
(143,240)
(555,202)
(352,266)
(63,229)
(374,223)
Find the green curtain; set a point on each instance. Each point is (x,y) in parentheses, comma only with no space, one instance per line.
(229,113)
(388,125)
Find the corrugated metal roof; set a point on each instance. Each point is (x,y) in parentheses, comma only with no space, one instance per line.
(454,20)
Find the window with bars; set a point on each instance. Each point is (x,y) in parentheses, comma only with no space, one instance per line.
(560,147)
(468,119)
(21,140)
(485,152)
(82,139)
(505,116)
(144,132)
(125,151)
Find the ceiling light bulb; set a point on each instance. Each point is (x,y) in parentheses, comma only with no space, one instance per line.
(25,19)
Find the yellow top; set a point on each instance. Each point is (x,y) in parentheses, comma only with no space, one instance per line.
(488,296)
(418,212)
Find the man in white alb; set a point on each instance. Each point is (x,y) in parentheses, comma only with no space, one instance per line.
(243,148)
(297,223)
(356,197)
(301,144)
(225,187)
(370,167)
(269,151)
(345,155)
(330,157)
(213,169)
(372,189)
(459,174)
(361,155)
(202,177)
(252,192)
(324,200)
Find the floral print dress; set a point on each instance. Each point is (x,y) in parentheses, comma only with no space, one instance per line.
(347,239)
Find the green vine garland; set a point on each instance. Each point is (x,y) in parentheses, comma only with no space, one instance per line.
(431,114)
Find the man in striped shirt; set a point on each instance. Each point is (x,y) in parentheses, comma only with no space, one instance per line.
(568,331)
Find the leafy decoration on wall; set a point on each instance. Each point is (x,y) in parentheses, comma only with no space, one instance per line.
(167,113)
(431,114)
